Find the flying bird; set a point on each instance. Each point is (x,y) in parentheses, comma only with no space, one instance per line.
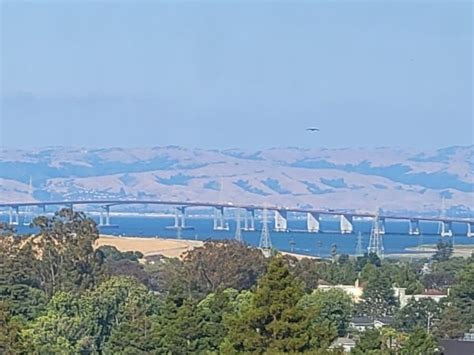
(312,129)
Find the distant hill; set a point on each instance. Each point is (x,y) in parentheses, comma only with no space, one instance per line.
(361,179)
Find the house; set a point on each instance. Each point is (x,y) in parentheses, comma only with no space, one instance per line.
(403,298)
(355,291)
(463,346)
(363,323)
(347,344)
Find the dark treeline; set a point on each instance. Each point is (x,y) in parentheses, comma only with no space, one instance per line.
(59,295)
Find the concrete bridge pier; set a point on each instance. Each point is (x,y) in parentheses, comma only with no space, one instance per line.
(14,216)
(281,221)
(313,222)
(346,224)
(219,220)
(414,227)
(382,225)
(249,220)
(470,230)
(446,229)
(179,219)
(104,216)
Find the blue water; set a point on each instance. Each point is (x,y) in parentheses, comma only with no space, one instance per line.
(395,240)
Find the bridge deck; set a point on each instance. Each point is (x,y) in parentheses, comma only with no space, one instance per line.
(229,205)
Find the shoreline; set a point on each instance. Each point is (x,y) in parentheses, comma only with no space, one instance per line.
(171,247)
(168,247)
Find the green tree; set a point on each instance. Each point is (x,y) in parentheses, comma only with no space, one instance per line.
(417,314)
(176,330)
(370,342)
(405,276)
(85,323)
(204,272)
(462,294)
(211,313)
(19,281)
(10,328)
(419,343)
(273,323)
(65,248)
(451,324)
(443,251)
(378,298)
(332,305)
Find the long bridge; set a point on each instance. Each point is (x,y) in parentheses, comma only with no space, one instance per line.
(313,216)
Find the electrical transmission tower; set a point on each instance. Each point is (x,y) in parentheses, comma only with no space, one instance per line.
(238,229)
(375,242)
(359,245)
(265,242)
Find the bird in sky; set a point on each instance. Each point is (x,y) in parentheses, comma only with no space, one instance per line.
(313,129)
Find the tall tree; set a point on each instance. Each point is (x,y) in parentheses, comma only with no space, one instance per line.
(443,251)
(462,293)
(65,247)
(378,298)
(273,323)
(204,272)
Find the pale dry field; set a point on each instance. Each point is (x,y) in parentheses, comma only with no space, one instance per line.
(172,248)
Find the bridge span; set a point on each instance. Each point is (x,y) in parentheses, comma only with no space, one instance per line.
(313,216)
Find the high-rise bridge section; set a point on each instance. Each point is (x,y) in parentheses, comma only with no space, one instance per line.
(313,216)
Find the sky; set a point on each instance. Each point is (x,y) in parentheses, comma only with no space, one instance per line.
(236,74)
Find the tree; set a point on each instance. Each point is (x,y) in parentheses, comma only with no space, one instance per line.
(10,327)
(176,330)
(19,280)
(369,341)
(439,280)
(126,267)
(419,342)
(273,323)
(332,305)
(450,324)
(462,293)
(405,276)
(378,298)
(444,251)
(211,313)
(65,247)
(307,270)
(73,324)
(204,270)
(417,314)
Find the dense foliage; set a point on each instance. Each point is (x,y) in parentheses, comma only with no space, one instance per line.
(59,294)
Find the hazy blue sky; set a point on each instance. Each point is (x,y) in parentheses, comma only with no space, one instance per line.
(236,74)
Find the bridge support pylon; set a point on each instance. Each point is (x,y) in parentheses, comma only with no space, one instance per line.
(14,216)
(219,220)
(313,222)
(281,221)
(346,224)
(414,227)
(179,219)
(249,220)
(382,225)
(470,230)
(446,229)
